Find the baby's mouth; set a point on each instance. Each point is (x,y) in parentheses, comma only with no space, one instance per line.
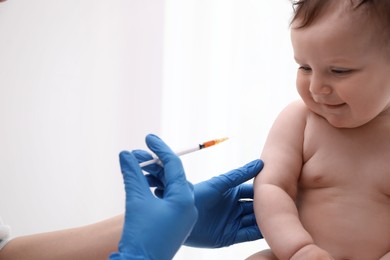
(334,106)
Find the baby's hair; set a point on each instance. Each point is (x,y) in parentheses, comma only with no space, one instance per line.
(376,12)
(308,10)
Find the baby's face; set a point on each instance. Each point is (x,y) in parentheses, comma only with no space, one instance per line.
(344,69)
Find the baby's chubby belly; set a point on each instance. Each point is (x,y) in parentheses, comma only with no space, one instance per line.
(348,223)
(344,188)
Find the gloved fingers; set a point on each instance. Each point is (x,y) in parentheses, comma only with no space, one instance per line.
(142,156)
(174,178)
(153,181)
(248,220)
(156,183)
(248,234)
(134,180)
(238,176)
(191,186)
(159,193)
(246,207)
(245,191)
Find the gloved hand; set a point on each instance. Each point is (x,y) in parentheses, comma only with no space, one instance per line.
(155,228)
(225,217)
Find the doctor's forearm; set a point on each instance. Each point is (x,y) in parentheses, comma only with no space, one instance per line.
(96,241)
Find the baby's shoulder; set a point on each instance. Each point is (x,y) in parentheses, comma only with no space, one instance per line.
(292,119)
(296,110)
(297,106)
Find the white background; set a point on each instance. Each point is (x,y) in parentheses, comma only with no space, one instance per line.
(82,80)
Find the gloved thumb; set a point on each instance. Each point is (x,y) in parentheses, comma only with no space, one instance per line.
(238,176)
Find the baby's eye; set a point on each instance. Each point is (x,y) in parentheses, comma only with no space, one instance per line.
(305,68)
(340,71)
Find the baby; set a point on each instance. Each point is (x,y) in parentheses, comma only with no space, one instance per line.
(324,192)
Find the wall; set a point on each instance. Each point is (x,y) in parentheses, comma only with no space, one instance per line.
(228,71)
(82,80)
(79,82)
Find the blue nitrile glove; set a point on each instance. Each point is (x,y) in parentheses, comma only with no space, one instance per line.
(155,228)
(224,216)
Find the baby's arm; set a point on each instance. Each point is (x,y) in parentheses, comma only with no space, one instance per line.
(276,186)
(386,256)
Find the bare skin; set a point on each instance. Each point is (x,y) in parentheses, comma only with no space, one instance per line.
(96,241)
(342,207)
(324,192)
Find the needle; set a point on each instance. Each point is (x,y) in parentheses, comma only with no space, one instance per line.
(186,151)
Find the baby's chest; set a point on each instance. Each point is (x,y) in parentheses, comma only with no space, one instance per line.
(345,159)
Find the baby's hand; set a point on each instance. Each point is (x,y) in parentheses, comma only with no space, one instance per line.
(311,252)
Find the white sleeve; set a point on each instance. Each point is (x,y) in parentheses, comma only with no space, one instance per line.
(5,232)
